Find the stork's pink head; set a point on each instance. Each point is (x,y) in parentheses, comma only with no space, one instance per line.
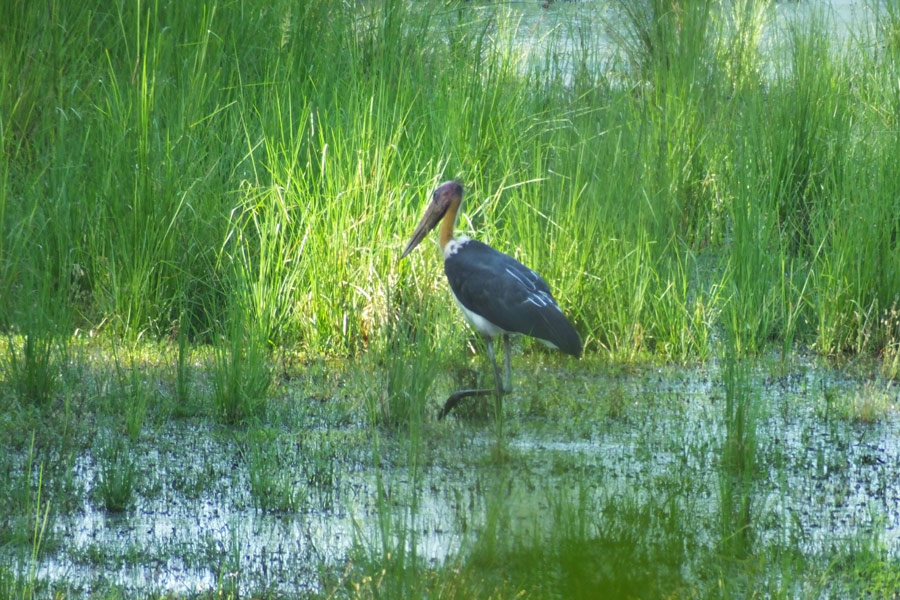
(446,195)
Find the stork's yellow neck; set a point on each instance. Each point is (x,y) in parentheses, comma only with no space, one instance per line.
(448,223)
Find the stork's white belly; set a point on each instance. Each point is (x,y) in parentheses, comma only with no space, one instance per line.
(478,322)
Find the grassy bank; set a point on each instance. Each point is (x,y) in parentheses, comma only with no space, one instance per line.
(203,204)
(169,168)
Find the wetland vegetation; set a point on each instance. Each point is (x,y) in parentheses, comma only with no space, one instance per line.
(218,380)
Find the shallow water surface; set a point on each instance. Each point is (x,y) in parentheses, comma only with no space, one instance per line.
(652,441)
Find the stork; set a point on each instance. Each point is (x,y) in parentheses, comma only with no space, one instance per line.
(497,294)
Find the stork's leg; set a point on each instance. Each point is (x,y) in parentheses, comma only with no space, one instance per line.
(499,388)
(456,397)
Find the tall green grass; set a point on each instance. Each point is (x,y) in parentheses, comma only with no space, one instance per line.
(166,164)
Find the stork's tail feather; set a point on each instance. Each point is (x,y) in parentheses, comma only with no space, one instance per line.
(572,343)
(559,332)
(568,340)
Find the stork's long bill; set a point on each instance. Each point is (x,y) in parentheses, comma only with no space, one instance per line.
(444,203)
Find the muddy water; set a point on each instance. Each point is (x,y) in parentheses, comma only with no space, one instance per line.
(821,481)
(195,523)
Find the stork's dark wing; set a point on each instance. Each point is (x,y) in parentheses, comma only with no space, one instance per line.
(509,295)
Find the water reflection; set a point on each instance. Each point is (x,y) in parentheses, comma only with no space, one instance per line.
(821,483)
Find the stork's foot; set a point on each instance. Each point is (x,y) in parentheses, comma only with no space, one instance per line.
(455,398)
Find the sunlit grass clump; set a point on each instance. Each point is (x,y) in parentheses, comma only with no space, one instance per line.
(117,476)
(870,403)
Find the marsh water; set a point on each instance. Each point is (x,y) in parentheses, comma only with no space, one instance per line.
(653,440)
